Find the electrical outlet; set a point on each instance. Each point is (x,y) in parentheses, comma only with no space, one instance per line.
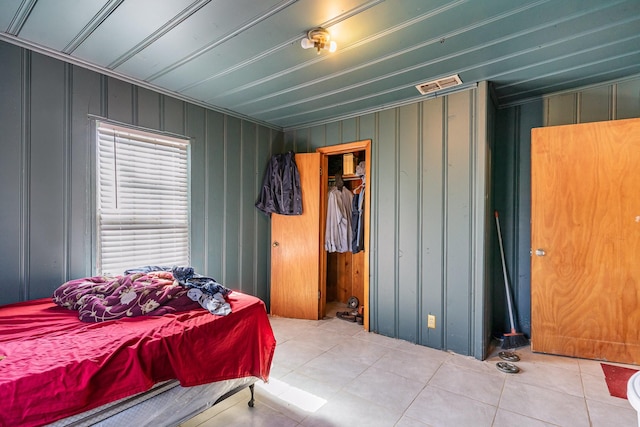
(431,321)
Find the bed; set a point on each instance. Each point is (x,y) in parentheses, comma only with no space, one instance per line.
(57,369)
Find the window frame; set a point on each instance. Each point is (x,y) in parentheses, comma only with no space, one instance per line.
(147,136)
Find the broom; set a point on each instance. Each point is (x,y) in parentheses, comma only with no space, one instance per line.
(512,339)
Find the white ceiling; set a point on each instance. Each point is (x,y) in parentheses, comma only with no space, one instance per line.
(244,56)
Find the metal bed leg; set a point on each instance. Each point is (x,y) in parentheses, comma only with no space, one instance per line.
(252,401)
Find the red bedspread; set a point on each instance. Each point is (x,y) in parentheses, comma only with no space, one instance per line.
(52,365)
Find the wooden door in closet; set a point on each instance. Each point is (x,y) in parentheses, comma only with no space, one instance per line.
(585,240)
(295,249)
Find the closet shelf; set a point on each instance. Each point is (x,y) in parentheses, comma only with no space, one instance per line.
(345,177)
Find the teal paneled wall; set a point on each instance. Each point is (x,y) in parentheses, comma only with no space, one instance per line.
(429,188)
(511,197)
(46,174)
(512,169)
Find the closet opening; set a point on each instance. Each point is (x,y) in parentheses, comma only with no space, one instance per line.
(344,265)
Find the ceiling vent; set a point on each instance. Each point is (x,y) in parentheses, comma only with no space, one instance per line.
(440,84)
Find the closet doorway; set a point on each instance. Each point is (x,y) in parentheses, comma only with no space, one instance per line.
(298,257)
(343,275)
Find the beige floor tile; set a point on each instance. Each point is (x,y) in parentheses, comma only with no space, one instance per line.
(409,365)
(378,339)
(324,389)
(385,389)
(549,376)
(362,351)
(286,329)
(564,362)
(595,388)
(322,338)
(349,410)
(544,404)
(510,419)
(292,354)
(605,415)
(332,365)
(591,367)
(350,329)
(486,367)
(332,373)
(471,383)
(410,422)
(293,402)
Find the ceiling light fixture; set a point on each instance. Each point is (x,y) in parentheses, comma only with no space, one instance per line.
(320,39)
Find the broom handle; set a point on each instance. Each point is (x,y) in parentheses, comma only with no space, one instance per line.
(504,272)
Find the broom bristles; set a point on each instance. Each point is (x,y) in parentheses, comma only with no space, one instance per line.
(514,340)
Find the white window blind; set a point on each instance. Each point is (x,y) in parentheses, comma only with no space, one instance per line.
(143,199)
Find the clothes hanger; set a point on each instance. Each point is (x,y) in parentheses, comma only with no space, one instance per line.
(338,180)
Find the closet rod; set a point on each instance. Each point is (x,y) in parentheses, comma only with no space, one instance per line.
(345,178)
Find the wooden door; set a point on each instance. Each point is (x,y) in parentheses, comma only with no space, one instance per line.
(295,249)
(585,238)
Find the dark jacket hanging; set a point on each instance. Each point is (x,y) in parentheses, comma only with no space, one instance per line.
(281,192)
(357,223)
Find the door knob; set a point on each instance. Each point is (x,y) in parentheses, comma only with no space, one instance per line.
(540,252)
(275,244)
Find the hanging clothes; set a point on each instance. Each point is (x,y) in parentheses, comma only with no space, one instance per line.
(357,224)
(357,218)
(281,191)
(338,232)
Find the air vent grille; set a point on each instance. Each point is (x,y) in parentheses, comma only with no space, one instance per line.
(440,84)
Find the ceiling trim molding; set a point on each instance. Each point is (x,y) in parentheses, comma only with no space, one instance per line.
(383,107)
(537,98)
(110,73)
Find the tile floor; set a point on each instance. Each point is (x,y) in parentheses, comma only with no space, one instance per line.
(333,373)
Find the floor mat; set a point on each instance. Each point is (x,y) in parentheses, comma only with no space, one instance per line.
(617,378)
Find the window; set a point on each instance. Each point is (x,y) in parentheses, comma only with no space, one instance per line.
(142,186)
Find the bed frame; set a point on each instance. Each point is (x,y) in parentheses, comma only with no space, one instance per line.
(182,364)
(166,404)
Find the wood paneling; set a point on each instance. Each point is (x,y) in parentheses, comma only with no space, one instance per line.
(331,291)
(148,108)
(458,224)
(295,249)
(585,291)
(432,220)
(262,222)
(13,171)
(358,277)
(345,276)
(85,100)
(46,159)
(198,152)
(214,194)
(409,185)
(428,202)
(247,210)
(232,204)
